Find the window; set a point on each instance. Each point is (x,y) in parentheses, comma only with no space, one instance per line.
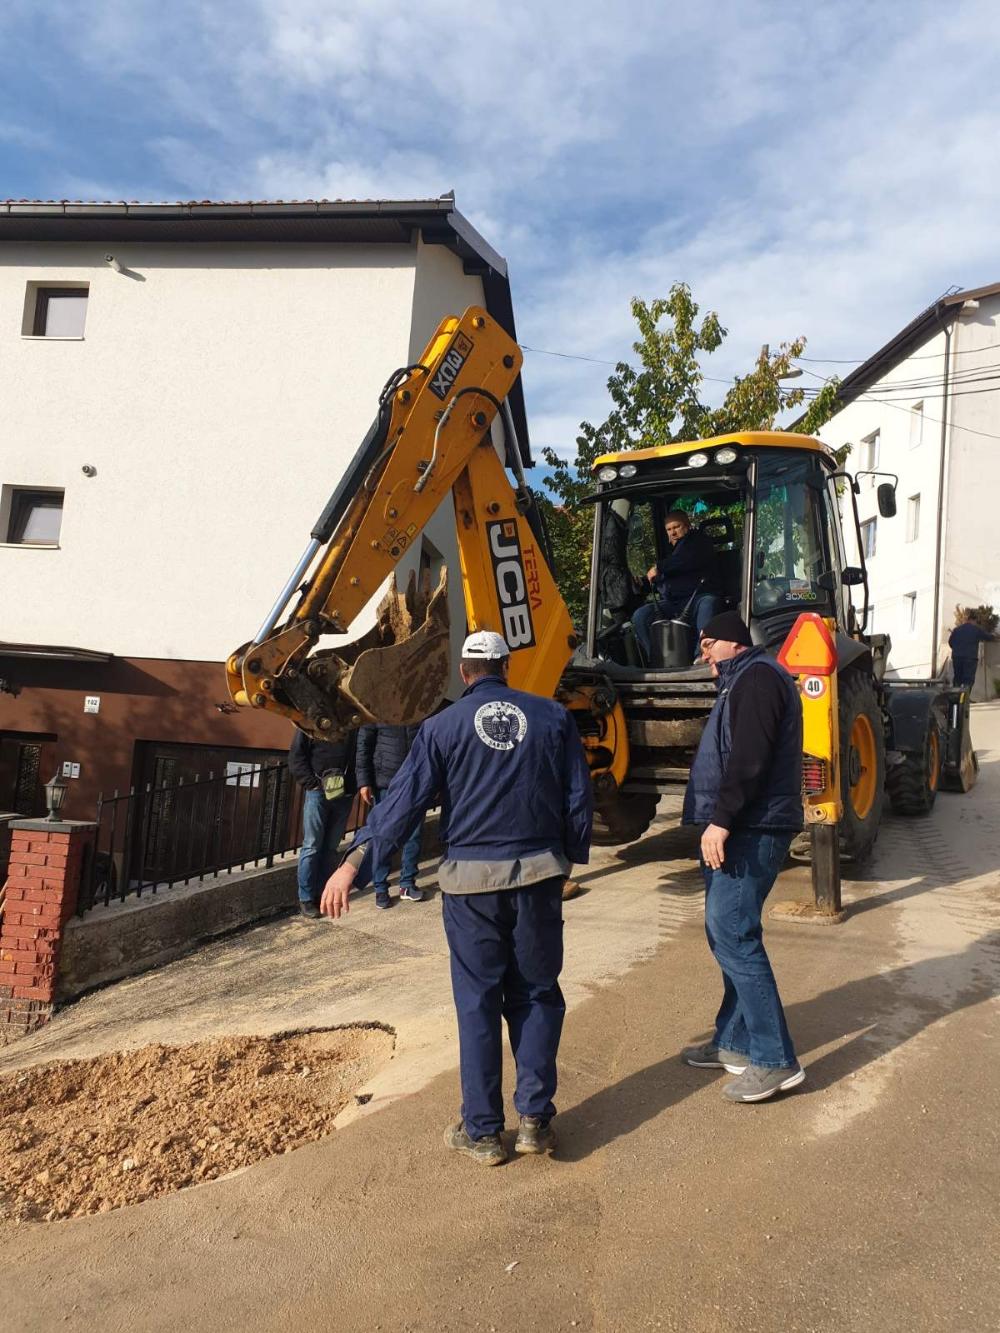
(794,554)
(34,517)
(916,425)
(913,518)
(870,454)
(911,611)
(868,538)
(55,312)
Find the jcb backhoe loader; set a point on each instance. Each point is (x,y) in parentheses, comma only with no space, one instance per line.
(769,501)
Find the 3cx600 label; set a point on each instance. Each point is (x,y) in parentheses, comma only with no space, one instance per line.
(447,372)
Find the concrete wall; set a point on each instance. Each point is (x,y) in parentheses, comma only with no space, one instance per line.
(127,938)
(219,390)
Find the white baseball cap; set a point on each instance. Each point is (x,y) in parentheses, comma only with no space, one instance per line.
(487,645)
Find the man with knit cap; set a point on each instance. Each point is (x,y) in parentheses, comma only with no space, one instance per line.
(745,789)
(516,811)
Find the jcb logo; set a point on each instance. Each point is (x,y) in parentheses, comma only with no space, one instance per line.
(512,587)
(454,359)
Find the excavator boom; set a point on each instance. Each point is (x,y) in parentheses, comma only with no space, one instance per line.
(432,436)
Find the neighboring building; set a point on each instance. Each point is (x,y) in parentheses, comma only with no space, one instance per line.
(926,408)
(183,385)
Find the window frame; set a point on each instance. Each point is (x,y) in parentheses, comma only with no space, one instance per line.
(23,500)
(913,517)
(866,525)
(911,599)
(36,309)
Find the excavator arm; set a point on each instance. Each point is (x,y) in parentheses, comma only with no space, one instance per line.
(431,437)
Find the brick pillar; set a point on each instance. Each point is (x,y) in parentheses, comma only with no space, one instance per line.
(43,878)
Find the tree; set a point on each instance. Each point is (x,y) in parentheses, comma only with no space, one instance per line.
(656,402)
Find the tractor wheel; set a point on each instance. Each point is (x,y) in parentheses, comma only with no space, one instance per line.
(913,784)
(862,764)
(622,818)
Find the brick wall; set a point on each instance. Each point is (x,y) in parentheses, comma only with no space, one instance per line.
(43,877)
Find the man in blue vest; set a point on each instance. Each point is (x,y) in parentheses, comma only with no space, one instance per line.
(746,790)
(516,809)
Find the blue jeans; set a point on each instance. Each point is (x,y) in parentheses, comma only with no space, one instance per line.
(506,955)
(323,824)
(409,860)
(705,607)
(751,1020)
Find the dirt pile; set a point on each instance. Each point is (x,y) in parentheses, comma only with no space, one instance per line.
(86,1136)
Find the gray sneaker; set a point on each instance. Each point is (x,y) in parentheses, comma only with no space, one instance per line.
(488,1151)
(534,1136)
(756,1083)
(710,1056)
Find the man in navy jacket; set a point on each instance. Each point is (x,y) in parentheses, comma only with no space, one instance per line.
(516,811)
(745,789)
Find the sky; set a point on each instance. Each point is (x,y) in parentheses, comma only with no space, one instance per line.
(824,170)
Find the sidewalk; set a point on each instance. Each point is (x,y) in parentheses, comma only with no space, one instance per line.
(866,1200)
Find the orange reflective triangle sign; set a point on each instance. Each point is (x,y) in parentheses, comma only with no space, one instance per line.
(809,649)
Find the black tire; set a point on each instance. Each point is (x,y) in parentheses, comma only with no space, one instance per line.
(862,775)
(622,818)
(913,783)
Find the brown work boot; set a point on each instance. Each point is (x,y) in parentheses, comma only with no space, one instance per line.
(570,889)
(534,1136)
(487,1151)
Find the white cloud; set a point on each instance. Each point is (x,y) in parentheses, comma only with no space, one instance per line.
(826,171)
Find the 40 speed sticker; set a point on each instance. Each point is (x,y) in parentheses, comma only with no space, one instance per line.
(814,686)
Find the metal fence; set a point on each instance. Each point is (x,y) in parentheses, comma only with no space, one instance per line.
(156,836)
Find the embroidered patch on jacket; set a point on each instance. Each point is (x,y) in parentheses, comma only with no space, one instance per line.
(500,725)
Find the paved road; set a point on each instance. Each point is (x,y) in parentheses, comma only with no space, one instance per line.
(867,1199)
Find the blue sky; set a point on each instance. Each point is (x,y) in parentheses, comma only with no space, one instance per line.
(827,170)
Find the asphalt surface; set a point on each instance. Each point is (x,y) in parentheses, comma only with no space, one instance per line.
(868,1198)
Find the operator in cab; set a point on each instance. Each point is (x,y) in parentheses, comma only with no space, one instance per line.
(687,568)
(516,811)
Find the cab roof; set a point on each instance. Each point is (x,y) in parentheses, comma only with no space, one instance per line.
(745,439)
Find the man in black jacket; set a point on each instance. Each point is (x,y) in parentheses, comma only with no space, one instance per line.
(689,567)
(381,751)
(325,770)
(745,789)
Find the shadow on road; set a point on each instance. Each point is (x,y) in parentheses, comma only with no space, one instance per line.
(884,1012)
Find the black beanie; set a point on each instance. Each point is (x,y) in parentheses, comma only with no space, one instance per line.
(728,626)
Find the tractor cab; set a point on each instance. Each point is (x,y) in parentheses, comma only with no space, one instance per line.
(761,535)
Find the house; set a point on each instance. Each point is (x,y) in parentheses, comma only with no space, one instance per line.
(184,385)
(924,411)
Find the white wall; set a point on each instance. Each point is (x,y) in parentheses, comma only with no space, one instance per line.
(900,566)
(971,560)
(219,391)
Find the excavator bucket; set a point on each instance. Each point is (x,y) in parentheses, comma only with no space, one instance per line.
(398,672)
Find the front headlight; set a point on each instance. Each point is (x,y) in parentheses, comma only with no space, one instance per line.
(697,460)
(607,474)
(726,455)
(627,470)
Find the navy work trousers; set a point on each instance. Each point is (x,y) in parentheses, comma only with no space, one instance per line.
(506,955)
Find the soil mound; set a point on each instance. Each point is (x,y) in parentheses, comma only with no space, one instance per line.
(86,1136)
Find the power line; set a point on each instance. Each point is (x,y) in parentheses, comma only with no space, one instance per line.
(934,421)
(595,361)
(919,356)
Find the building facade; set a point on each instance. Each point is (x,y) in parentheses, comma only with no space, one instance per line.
(184,386)
(924,411)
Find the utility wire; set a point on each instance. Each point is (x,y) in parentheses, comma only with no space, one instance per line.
(934,421)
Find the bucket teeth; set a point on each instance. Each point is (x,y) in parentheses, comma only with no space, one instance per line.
(398,672)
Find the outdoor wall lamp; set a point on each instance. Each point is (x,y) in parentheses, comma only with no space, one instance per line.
(55,794)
